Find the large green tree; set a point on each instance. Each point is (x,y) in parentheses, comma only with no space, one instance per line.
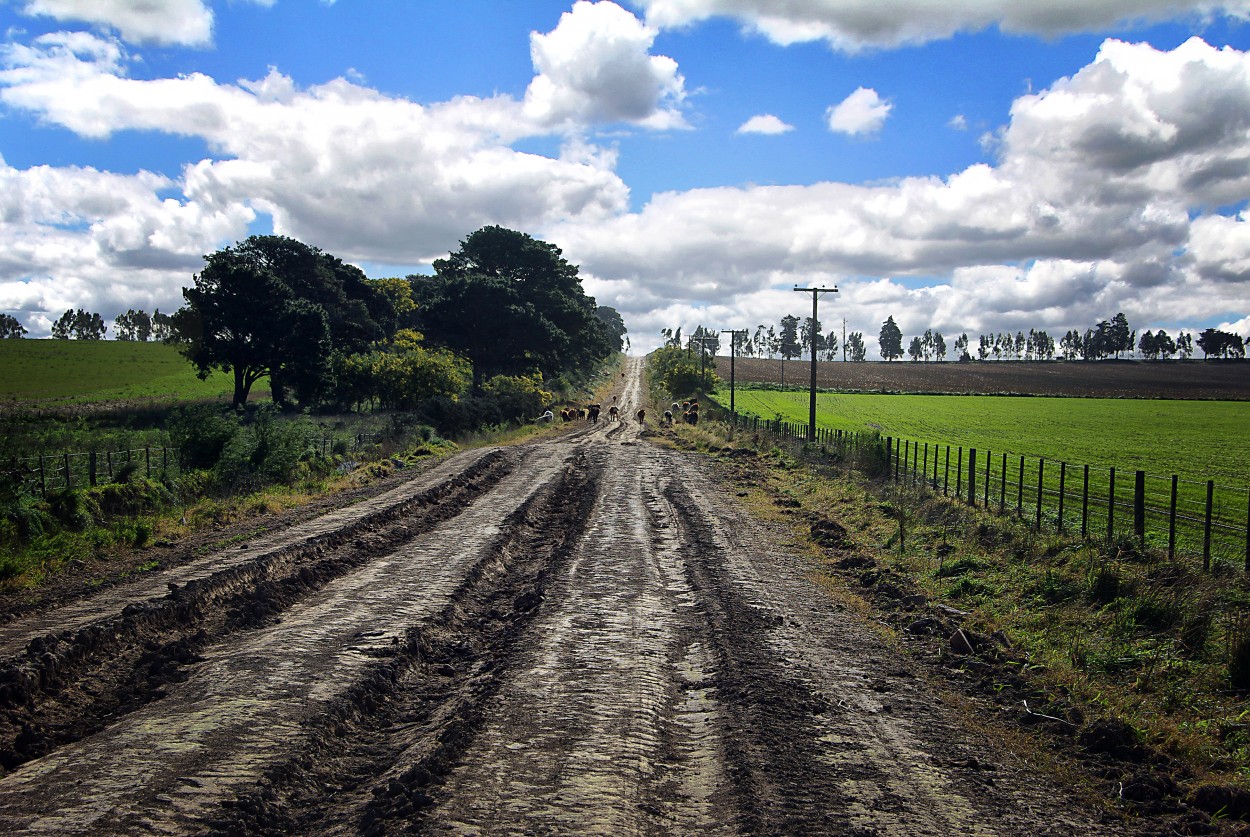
(616,326)
(790,347)
(264,308)
(890,340)
(511,304)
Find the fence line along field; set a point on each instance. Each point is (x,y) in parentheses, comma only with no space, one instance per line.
(48,372)
(1197,439)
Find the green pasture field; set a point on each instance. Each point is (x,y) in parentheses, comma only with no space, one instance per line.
(56,372)
(1196,439)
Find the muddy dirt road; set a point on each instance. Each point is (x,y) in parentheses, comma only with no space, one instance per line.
(582,635)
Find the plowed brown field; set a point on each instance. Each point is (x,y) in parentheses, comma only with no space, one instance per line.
(1219,380)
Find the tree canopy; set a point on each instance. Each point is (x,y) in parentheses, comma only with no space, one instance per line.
(273,306)
(79,325)
(890,340)
(511,304)
(10,328)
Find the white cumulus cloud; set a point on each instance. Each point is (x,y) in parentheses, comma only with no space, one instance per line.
(764,123)
(596,66)
(862,112)
(185,22)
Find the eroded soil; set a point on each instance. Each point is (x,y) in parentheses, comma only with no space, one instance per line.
(582,635)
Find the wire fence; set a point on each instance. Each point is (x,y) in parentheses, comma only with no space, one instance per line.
(1182,517)
(45,473)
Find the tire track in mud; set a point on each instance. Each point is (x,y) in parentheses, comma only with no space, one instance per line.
(67,685)
(607,724)
(255,698)
(381,749)
(826,730)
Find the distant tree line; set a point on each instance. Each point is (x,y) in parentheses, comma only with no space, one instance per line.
(1112,338)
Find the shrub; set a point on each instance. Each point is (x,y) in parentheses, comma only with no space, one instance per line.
(200,434)
(22,515)
(74,510)
(130,498)
(1239,655)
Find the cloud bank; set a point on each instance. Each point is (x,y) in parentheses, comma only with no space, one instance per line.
(853,25)
(1109,192)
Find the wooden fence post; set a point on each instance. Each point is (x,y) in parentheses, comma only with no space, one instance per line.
(1085,504)
(1248,530)
(959,473)
(989,458)
(91,462)
(1020,490)
(946,477)
(43,480)
(1111,506)
(1041,467)
(1206,528)
(1172,522)
(1063,481)
(1002,488)
(1139,507)
(69,481)
(906,455)
(147,460)
(972,477)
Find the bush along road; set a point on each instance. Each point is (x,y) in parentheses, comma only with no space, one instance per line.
(583,634)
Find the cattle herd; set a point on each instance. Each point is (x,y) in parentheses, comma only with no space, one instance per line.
(688,411)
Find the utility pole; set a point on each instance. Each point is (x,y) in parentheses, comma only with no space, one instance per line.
(844,339)
(733,356)
(811,412)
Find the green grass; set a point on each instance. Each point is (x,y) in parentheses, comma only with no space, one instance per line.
(1195,439)
(39,372)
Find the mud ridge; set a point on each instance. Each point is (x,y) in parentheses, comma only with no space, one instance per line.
(66,686)
(782,784)
(374,760)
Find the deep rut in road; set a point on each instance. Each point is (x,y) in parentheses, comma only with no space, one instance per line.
(377,753)
(66,685)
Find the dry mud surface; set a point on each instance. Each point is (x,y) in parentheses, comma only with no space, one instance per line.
(583,635)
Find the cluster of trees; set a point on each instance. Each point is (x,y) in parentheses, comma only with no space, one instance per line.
(85,325)
(10,328)
(79,325)
(1037,345)
(141,327)
(505,304)
(1216,343)
(791,339)
(680,372)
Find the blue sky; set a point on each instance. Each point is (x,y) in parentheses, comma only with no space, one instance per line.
(969,166)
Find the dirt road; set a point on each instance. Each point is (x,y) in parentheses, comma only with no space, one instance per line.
(583,635)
